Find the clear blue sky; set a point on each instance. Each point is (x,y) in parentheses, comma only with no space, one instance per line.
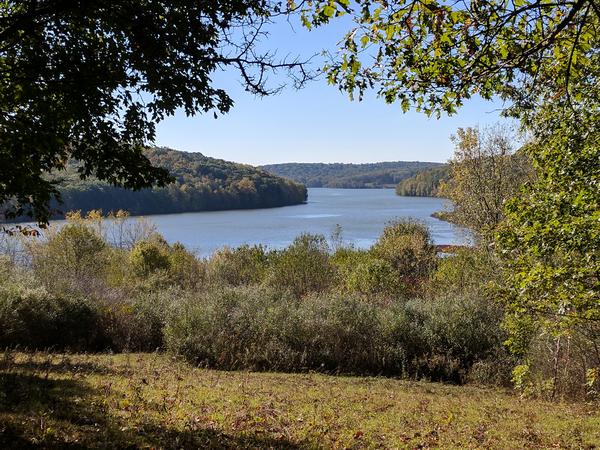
(317,123)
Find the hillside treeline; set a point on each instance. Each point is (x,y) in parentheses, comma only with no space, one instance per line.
(424,184)
(201,184)
(357,176)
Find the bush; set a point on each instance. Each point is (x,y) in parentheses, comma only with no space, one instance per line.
(260,329)
(35,319)
(228,328)
(375,276)
(185,269)
(241,266)
(456,330)
(254,329)
(406,245)
(358,271)
(6,268)
(150,256)
(72,260)
(495,370)
(303,267)
(138,325)
(157,265)
(342,334)
(468,270)
(559,367)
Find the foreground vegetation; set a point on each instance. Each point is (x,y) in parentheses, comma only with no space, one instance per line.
(396,309)
(153,400)
(316,305)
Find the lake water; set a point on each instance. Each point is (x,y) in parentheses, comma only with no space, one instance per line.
(362,214)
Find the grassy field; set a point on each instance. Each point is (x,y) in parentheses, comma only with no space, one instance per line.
(155,401)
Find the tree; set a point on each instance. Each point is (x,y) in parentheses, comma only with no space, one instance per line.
(89,80)
(542,57)
(550,244)
(484,173)
(434,54)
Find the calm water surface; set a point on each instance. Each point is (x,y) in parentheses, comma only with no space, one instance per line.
(362,213)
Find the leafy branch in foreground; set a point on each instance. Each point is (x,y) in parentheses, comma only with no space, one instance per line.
(551,238)
(434,55)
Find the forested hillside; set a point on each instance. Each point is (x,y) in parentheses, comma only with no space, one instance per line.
(338,175)
(201,184)
(424,184)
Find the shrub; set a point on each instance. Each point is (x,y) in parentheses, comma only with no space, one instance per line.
(359,271)
(303,267)
(406,245)
(344,260)
(563,366)
(495,370)
(238,267)
(138,324)
(6,267)
(341,334)
(228,328)
(35,319)
(185,269)
(375,276)
(150,256)
(468,270)
(457,330)
(72,260)
(261,329)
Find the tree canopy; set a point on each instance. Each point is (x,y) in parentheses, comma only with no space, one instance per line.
(435,54)
(90,79)
(484,173)
(551,238)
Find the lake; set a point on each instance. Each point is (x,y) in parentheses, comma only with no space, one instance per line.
(362,214)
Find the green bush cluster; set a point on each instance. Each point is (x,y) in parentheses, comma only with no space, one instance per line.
(303,267)
(35,319)
(395,309)
(34,316)
(241,266)
(259,329)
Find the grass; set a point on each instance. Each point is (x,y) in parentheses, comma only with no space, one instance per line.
(156,401)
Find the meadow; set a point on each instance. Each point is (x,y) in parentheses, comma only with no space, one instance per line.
(152,400)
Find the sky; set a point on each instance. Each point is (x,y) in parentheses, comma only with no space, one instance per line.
(317,123)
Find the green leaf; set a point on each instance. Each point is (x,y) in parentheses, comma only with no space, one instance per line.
(328,11)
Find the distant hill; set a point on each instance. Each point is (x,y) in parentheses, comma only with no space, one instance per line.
(338,175)
(201,184)
(425,183)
